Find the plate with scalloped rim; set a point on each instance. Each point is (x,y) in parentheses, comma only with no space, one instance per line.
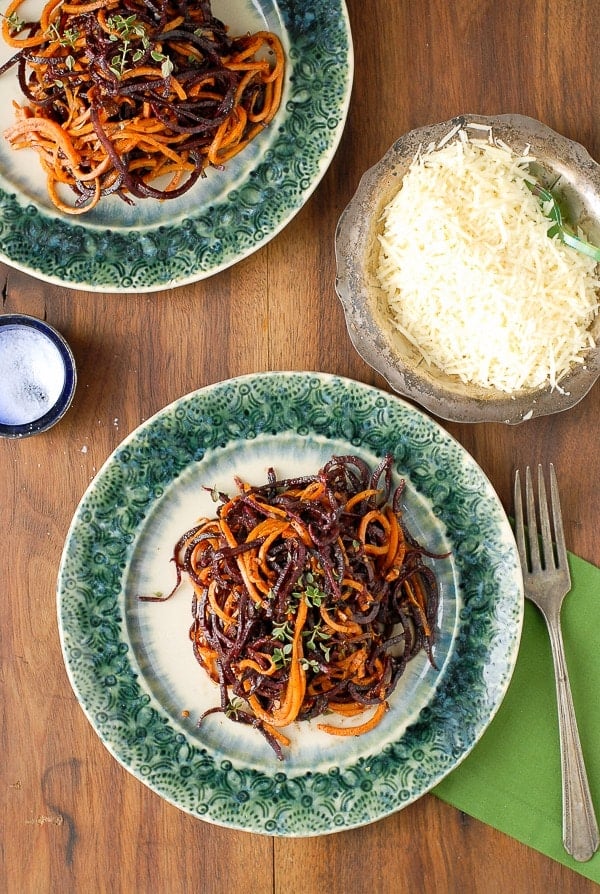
(130,662)
(227,215)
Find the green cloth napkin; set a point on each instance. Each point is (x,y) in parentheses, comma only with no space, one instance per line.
(512,779)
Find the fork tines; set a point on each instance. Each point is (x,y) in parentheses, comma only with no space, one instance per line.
(550,556)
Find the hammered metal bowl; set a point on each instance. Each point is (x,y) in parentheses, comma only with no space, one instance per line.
(575,180)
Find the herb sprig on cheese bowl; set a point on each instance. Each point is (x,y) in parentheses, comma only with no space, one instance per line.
(484,294)
(463,285)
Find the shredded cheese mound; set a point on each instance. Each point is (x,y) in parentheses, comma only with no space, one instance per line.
(471,276)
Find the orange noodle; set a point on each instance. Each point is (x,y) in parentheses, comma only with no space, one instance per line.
(136,98)
(310,598)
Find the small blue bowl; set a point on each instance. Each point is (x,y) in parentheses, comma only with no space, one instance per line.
(37,376)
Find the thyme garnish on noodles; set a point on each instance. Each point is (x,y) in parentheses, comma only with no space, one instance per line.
(136,97)
(310,598)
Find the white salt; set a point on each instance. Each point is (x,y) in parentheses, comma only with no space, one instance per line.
(32,375)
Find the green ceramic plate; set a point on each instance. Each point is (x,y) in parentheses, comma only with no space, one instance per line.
(130,662)
(228,215)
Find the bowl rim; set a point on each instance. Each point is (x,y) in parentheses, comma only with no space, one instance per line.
(62,404)
(354,232)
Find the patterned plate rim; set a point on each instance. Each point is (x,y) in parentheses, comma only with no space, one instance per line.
(270,187)
(209,785)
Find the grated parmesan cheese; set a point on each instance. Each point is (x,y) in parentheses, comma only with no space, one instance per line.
(471,276)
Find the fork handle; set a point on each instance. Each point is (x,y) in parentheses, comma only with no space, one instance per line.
(580,827)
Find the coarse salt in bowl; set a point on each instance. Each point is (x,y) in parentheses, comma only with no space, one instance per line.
(37,376)
(452,288)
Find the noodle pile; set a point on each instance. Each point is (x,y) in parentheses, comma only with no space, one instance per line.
(136,98)
(310,597)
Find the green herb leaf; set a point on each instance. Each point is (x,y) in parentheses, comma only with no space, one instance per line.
(316,638)
(314,595)
(283,632)
(282,656)
(310,664)
(166,68)
(15,22)
(234,707)
(551,209)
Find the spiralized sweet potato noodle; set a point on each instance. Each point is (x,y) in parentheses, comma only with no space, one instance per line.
(310,597)
(136,98)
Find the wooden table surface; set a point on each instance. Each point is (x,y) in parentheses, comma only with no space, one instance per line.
(73,819)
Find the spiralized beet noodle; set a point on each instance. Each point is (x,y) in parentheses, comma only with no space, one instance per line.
(136,97)
(310,598)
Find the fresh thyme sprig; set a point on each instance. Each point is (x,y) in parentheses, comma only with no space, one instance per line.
(68,38)
(316,639)
(130,32)
(551,209)
(15,22)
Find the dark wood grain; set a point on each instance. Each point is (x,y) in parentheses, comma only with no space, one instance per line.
(73,819)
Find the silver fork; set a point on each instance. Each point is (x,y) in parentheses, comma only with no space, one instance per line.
(547,581)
